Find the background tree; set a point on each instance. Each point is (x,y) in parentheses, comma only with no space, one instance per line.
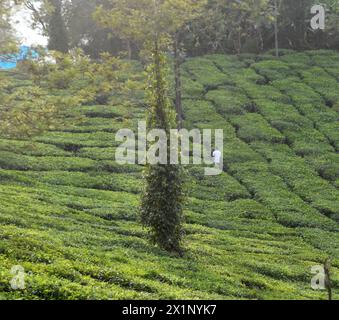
(7,37)
(49,17)
(81,29)
(294,23)
(295,30)
(85,33)
(58,37)
(4,37)
(32,109)
(230,26)
(328,38)
(276,28)
(8,43)
(42,104)
(226,26)
(29,110)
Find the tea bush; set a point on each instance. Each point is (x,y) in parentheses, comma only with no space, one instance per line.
(69,212)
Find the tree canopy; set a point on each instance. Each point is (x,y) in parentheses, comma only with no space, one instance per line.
(226,26)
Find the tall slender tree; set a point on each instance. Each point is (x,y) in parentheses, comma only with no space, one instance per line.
(154,24)
(49,16)
(58,37)
(276,28)
(161,203)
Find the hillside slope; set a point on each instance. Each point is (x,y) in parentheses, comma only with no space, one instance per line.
(68,212)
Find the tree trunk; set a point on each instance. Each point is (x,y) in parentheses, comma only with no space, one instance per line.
(129,49)
(328,284)
(276,31)
(178,86)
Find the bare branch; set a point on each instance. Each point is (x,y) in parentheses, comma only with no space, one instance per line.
(36,14)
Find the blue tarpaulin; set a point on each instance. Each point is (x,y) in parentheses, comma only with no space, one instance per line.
(10,61)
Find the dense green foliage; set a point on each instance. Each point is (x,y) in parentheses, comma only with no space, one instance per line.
(226,25)
(69,213)
(6,33)
(162,201)
(58,38)
(41,104)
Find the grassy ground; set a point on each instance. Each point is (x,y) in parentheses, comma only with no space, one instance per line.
(68,212)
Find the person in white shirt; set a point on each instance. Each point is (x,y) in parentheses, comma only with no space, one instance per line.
(217,157)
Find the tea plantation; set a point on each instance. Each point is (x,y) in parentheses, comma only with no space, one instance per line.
(68,212)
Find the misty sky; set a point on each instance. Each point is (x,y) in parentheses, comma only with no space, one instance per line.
(22,25)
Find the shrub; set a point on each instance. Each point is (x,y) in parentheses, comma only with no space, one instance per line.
(248,75)
(299,57)
(273,69)
(283,117)
(253,126)
(199,111)
(191,88)
(226,63)
(322,83)
(31,148)
(104,111)
(327,165)
(205,72)
(10,160)
(307,184)
(237,151)
(298,91)
(219,188)
(228,101)
(308,141)
(92,139)
(266,92)
(287,207)
(331,131)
